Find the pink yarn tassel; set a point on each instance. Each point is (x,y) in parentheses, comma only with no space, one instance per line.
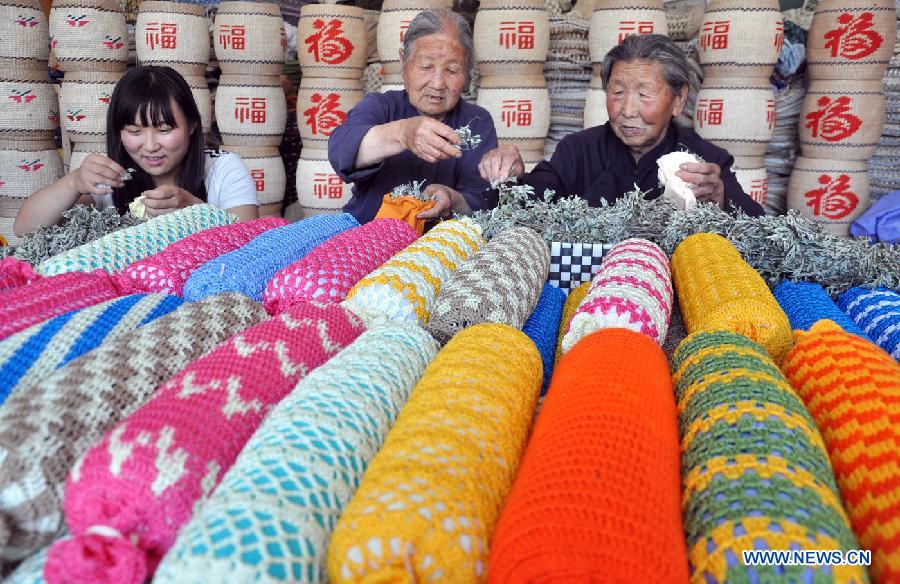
(167,271)
(127,498)
(14,272)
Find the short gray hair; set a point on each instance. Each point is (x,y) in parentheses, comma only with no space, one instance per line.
(435,21)
(651,47)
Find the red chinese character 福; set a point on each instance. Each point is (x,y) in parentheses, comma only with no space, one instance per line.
(233,35)
(779,36)
(517,34)
(327,185)
(770,113)
(854,39)
(516,112)
(833,120)
(259,179)
(404,24)
(759,188)
(714,35)
(834,200)
(162,34)
(630,27)
(250,108)
(710,112)
(325,114)
(327,43)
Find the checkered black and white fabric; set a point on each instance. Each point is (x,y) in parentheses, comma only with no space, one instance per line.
(574,263)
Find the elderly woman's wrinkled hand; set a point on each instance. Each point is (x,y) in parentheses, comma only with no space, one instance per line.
(501,163)
(429,139)
(705,181)
(446,201)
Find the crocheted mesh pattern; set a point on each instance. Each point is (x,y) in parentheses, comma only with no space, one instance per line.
(717,289)
(328,272)
(404,288)
(542,327)
(500,283)
(48,423)
(42,348)
(114,251)
(248,268)
(755,471)
(597,497)
(875,311)
(632,289)
(427,505)
(14,272)
(274,511)
(27,305)
(168,270)
(806,303)
(573,301)
(852,390)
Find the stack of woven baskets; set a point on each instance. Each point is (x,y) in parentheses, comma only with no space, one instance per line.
(568,72)
(884,176)
(30,114)
(849,47)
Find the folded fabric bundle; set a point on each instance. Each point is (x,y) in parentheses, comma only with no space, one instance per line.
(876,311)
(632,289)
(42,348)
(14,272)
(49,423)
(405,209)
(806,303)
(404,288)
(573,301)
(851,388)
(597,497)
(500,283)
(168,270)
(116,250)
(271,517)
(542,327)
(426,507)
(756,473)
(718,290)
(27,305)
(328,272)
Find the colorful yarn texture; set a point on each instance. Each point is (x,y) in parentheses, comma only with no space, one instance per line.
(875,311)
(404,288)
(542,328)
(248,268)
(806,303)
(49,423)
(755,471)
(718,290)
(30,571)
(38,350)
(573,301)
(632,289)
(597,497)
(427,506)
(167,271)
(272,516)
(14,272)
(852,390)
(500,283)
(116,250)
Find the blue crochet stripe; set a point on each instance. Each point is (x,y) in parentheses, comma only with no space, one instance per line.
(12,371)
(543,325)
(878,313)
(167,305)
(806,303)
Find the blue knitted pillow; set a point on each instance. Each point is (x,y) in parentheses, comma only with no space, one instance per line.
(543,325)
(806,303)
(878,313)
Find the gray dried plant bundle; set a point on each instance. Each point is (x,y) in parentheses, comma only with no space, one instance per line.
(784,246)
(469,141)
(411,189)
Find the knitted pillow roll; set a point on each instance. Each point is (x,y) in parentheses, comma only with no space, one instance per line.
(427,505)
(328,272)
(718,290)
(500,283)
(27,305)
(131,492)
(573,301)
(852,389)
(597,497)
(168,270)
(116,250)
(271,517)
(542,328)
(806,303)
(755,471)
(42,348)
(248,268)
(14,272)
(48,423)
(632,289)
(404,287)
(877,312)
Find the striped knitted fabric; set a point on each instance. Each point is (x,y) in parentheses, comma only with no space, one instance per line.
(404,288)
(500,283)
(27,305)
(14,272)
(271,517)
(877,312)
(806,303)
(573,301)
(427,505)
(40,349)
(718,290)
(542,328)
(248,268)
(852,389)
(168,270)
(632,289)
(597,497)
(164,460)
(755,471)
(116,250)
(49,423)
(328,272)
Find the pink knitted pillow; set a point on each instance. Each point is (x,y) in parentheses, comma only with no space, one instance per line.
(167,271)
(329,271)
(14,272)
(131,492)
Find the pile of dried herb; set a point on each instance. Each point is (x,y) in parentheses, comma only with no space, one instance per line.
(412,189)
(469,141)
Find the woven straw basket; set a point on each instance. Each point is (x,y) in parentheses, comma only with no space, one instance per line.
(319,189)
(595,112)
(323,105)
(520,107)
(830,192)
(28,166)
(751,174)
(841,120)
(267,171)
(683,18)
(25,34)
(736,114)
(30,108)
(511,38)
(81,150)
(200,91)
(251,110)
(83,103)
(740,38)
(395,18)
(613,20)
(331,41)
(173,34)
(88,35)
(249,39)
(851,39)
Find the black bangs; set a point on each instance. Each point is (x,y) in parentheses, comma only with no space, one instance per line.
(146,97)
